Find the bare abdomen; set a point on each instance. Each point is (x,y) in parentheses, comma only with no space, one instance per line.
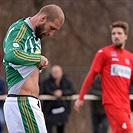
(31,86)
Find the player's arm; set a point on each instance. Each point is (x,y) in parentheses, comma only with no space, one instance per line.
(85,86)
(14,44)
(87,83)
(19,57)
(96,67)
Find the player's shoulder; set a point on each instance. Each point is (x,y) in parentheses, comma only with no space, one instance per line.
(104,49)
(18,24)
(128,53)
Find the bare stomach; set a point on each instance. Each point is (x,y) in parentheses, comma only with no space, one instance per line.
(31,87)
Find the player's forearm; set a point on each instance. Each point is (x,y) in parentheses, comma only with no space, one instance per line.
(87,83)
(19,57)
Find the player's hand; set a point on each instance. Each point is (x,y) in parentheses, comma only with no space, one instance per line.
(58,93)
(44,62)
(78,105)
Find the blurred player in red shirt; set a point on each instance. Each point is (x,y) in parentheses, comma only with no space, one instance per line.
(115,64)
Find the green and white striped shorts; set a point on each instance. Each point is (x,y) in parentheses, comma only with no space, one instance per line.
(23,115)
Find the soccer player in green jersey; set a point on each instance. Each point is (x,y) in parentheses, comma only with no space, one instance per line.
(22,61)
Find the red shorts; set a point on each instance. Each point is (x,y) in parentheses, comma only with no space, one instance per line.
(119,119)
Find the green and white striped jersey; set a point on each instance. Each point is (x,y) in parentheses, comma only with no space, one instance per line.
(21,52)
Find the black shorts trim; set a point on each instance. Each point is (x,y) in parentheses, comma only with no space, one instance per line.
(15,95)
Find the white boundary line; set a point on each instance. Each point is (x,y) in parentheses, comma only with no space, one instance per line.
(73,97)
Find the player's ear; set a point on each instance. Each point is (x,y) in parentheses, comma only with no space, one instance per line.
(126,37)
(43,18)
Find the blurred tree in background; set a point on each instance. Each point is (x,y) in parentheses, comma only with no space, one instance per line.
(86,29)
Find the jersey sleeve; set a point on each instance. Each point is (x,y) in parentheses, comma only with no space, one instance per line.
(87,83)
(98,61)
(95,68)
(14,43)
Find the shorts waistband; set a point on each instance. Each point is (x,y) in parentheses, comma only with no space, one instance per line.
(15,95)
(14,98)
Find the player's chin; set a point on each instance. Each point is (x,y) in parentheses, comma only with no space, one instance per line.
(118,45)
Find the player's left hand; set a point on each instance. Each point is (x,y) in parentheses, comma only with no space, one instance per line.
(44,62)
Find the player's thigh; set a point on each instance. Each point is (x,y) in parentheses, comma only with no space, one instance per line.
(119,119)
(13,117)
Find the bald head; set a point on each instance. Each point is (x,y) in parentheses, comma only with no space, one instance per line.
(52,12)
(56,72)
(49,19)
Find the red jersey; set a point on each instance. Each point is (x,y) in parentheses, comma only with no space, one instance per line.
(116,68)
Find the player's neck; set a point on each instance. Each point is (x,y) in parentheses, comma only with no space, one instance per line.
(33,21)
(123,46)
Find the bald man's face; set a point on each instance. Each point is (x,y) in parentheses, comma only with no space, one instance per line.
(47,28)
(56,72)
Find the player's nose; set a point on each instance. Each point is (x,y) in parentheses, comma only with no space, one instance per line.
(51,33)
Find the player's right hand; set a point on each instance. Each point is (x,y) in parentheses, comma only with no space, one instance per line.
(78,105)
(44,62)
